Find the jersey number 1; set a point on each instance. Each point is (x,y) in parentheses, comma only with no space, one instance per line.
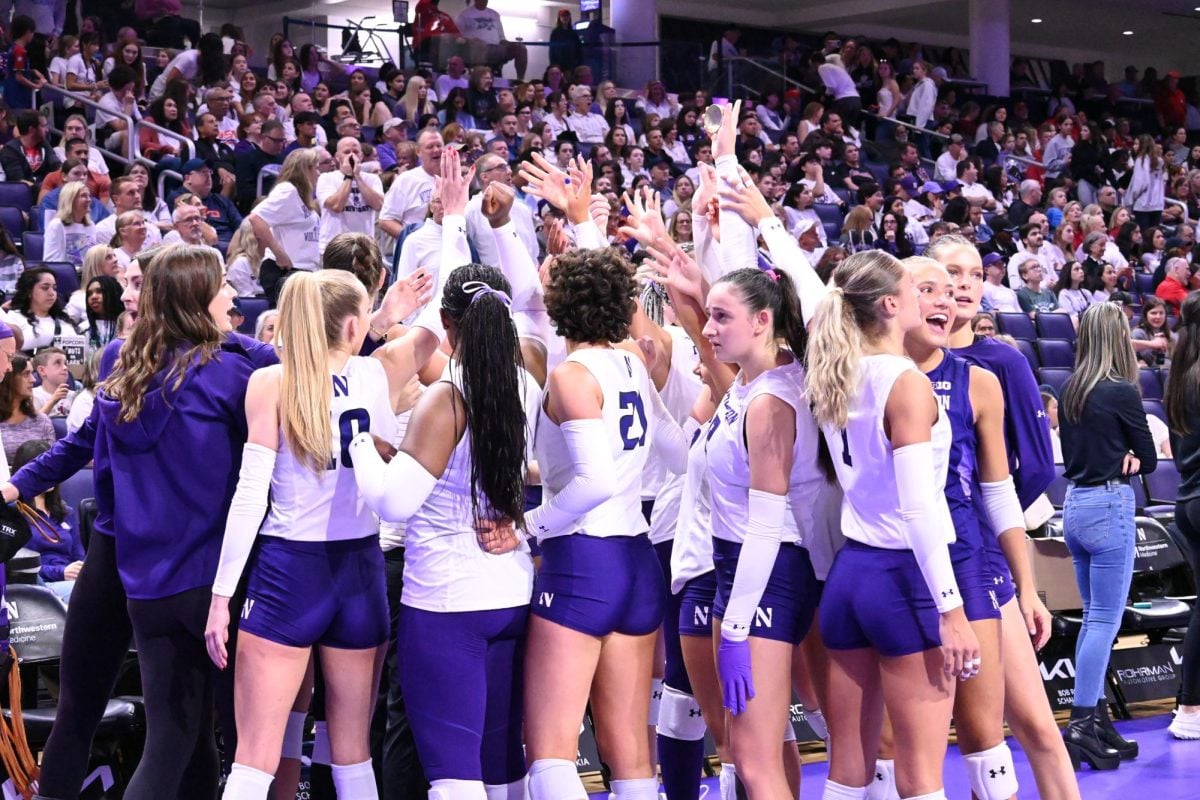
(347,424)
(633,421)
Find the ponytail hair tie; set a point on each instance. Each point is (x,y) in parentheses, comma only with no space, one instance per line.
(772,274)
(478,289)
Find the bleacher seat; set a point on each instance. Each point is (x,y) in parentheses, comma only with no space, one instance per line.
(1054,377)
(252,307)
(13,221)
(16,194)
(78,487)
(1026,348)
(32,246)
(1151,382)
(65,276)
(1162,485)
(1144,283)
(1016,325)
(846,196)
(1055,353)
(830,215)
(1056,492)
(60,427)
(1055,326)
(1154,408)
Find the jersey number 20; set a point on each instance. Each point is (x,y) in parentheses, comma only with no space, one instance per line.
(633,420)
(350,424)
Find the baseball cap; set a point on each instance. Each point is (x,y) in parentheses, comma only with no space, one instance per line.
(1055,217)
(951,186)
(804,226)
(6,332)
(956,138)
(909,184)
(394,122)
(931,186)
(991,258)
(1174,73)
(193,164)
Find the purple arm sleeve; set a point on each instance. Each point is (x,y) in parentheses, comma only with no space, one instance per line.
(1026,432)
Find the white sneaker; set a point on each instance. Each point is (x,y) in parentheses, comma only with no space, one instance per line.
(1186,725)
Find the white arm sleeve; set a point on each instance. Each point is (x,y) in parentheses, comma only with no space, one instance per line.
(755,562)
(594,480)
(455,253)
(395,490)
(518,267)
(669,441)
(246,513)
(785,252)
(588,236)
(924,527)
(1003,506)
(707,249)
(738,242)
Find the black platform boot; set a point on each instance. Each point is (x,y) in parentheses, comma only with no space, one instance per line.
(1083,742)
(1109,735)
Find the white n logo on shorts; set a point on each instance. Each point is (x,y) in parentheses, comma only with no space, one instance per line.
(249,605)
(762,617)
(546,599)
(700,615)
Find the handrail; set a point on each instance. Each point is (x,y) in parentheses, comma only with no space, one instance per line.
(1181,204)
(134,152)
(768,70)
(191,146)
(908,125)
(162,185)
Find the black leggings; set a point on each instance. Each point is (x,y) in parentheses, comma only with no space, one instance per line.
(95,644)
(178,682)
(1187,519)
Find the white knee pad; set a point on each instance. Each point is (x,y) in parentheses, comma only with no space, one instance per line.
(293,736)
(656,695)
(355,781)
(679,716)
(247,783)
(555,779)
(320,754)
(635,789)
(789,730)
(816,721)
(836,791)
(445,789)
(506,791)
(991,773)
(883,787)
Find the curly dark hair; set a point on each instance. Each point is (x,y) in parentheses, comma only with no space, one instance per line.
(590,295)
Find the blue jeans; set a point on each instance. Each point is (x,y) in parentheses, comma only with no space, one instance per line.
(1099,529)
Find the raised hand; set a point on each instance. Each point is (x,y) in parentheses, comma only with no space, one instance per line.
(497,203)
(572,196)
(725,142)
(679,272)
(744,199)
(407,295)
(455,187)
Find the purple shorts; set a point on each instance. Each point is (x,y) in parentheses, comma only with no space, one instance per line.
(695,606)
(973,572)
(461,675)
(878,598)
(301,594)
(600,585)
(785,612)
(999,575)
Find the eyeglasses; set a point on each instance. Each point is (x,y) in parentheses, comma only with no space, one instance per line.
(277,139)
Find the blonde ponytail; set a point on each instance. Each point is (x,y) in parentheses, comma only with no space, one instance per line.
(304,353)
(845,319)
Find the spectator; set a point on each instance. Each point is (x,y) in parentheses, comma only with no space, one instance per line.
(28,158)
(591,128)
(190,227)
(892,237)
(947,163)
(1029,199)
(350,198)
(20,421)
(566,49)
(1073,298)
(923,96)
(494,170)
(99,260)
(120,99)
(22,80)
(1147,186)
(130,238)
(78,150)
(967,175)
(250,161)
(1170,105)
(408,198)
(210,147)
(1034,298)
(455,77)
(53,395)
(36,311)
(997,296)
(204,66)
(1056,155)
(305,129)
(1174,288)
(287,222)
(1152,337)
(243,260)
(840,86)
(82,70)
(218,211)
(165,149)
(656,101)
(126,198)
(484,31)
(71,232)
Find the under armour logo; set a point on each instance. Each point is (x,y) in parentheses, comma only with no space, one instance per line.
(695,712)
(948,593)
(997,580)
(657,694)
(995,772)
(879,776)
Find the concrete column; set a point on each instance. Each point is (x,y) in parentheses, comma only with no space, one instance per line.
(635,21)
(991,44)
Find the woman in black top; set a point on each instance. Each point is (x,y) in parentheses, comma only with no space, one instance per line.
(1105,440)
(1183,413)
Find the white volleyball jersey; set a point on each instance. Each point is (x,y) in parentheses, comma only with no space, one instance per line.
(326,506)
(826,538)
(678,394)
(692,551)
(628,421)
(729,460)
(665,515)
(862,458)
(445,569)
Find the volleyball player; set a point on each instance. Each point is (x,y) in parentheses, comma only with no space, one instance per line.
(598,596)
(464,611)
(978,478)
(899,640)
(318,576)
(1025,623)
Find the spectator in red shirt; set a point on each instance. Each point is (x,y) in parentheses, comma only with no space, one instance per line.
(435,34)
(1174,288)
(1169,104)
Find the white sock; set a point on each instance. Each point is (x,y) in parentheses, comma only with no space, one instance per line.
(447,789)
(320,754)
(836,791)
(247,783)
(506,791)
(728,782)
(555,779)
(883,787)
(635,789)
(355,781)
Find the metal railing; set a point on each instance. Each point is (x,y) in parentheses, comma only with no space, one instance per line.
(161,131)
(732,61)
(133,153)
(909,125)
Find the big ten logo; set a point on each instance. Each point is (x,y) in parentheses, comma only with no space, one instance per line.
(1063,669)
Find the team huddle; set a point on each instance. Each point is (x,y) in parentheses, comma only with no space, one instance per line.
(769,484)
